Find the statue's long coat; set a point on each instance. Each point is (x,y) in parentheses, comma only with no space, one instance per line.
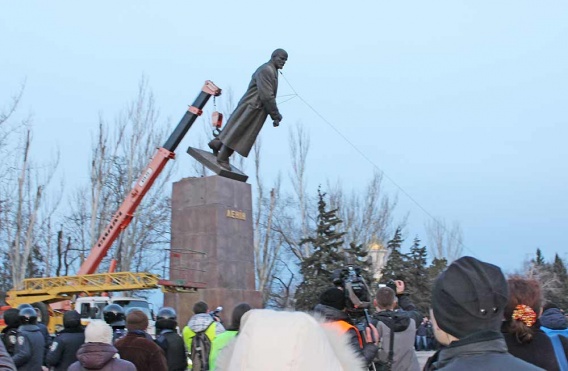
(247,119)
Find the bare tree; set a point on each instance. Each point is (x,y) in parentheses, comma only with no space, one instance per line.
(267,243)
(293,222)
(23,193)
(367,216)
(118,158)
(445,242)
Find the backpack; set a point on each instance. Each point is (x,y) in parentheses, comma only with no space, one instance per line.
(379,364)
(200,349)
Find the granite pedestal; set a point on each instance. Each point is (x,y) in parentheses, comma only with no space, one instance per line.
(212,242)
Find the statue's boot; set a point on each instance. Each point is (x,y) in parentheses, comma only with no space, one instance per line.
(215,145)
(223,157)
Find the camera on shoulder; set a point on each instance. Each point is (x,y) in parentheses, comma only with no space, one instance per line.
(357,292)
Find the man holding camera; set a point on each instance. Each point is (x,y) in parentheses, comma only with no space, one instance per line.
(396,327)
(332,307)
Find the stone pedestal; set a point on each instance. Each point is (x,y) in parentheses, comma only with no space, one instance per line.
(212,242)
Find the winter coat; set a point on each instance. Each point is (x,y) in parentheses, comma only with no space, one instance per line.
(257,103)
(174,348)
(553,319)
(117,333)
(366,351)
(201,322)
(100,356)
(484,350)
(554,324)
(218,344)
(47,337)
(539,351)
(145,354)
(286,341)
(422,330)
(63,350)
(30,348)
(6,363)
(403,321)
(9,338)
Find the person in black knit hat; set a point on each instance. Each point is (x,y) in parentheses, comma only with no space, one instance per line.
(468,302)
(332,308)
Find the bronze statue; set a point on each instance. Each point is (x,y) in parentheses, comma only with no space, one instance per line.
(247,119)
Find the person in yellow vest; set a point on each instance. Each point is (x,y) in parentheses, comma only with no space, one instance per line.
(203,328)
(332,309)
(223,339)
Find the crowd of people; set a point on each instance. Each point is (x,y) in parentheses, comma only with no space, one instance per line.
(478,320)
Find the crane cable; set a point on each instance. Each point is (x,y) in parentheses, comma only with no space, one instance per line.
(375,166)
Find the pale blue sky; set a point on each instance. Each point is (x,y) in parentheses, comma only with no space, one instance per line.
(461,103)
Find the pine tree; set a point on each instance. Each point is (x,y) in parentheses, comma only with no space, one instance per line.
(396,266)
(437,266)
(418,284)
(359,256)
(560,295)
(318,268)
(539,260)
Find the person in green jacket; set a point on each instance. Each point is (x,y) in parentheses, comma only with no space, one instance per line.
(223,339)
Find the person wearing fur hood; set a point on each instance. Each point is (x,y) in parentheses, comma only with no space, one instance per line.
(286,341)
(98,353)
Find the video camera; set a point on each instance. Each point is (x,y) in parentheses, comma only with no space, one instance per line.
(357,292)
(215,314)
(391,284)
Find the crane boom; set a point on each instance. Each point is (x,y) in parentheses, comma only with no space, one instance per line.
(122,218)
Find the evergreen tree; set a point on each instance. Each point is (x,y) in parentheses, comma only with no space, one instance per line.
(437,266)
(560,295)
(417,283)
(359,256)
(397,263)
(318,268)
(539,260)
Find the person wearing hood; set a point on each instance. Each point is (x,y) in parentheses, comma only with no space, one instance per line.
(63,350)
(98,353)
(397,328)
(553,323)
(286,341)
(468,302)
(199,322)
(10,332)
(332,309)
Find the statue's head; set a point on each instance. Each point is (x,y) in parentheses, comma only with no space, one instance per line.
(279,58)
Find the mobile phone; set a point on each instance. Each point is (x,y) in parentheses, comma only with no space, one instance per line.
(368,319)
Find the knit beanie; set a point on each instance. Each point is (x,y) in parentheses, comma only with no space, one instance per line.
(71,319)
(469,296)
(98,331)
(334,298)
(136,320)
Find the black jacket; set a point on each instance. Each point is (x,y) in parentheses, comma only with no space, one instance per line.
(6,363)
(30,348)
(48,339)
(174,347)
(63,350)
(9,337)
(553,319)
(330,314)
(539,351)
(485,350)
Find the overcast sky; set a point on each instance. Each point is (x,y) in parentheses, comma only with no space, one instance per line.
(463,104)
